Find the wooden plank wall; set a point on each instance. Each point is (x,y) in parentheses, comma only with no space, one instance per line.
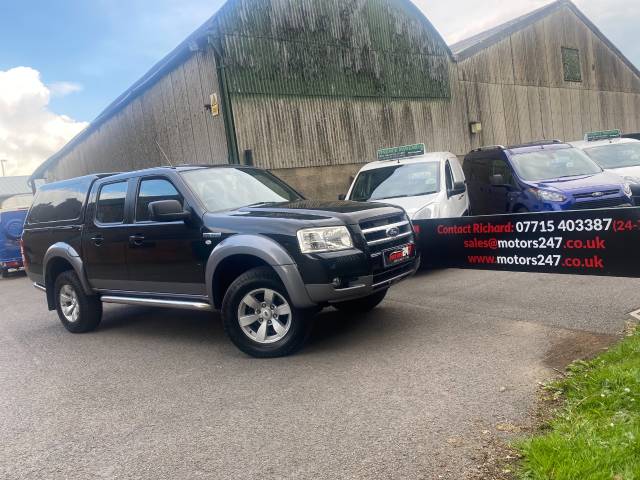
(171,112)
(289,132)
(528,97)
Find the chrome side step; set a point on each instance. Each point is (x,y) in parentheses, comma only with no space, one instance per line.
(155,302)
(39,287)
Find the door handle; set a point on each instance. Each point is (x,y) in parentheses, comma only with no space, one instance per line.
(98,240)
(136,240)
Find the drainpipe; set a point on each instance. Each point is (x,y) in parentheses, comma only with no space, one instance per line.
(225,100)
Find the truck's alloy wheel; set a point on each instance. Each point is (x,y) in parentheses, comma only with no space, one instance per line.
(264,316)
(78,312)
(259,318)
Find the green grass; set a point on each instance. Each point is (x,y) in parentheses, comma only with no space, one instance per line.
(596,434)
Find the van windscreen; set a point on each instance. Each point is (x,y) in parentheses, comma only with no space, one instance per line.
(553,164)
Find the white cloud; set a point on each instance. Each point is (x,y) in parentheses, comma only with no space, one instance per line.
(62,89)
(29,131)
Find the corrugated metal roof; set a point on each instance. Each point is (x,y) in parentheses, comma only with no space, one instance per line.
(10,186)
(470,46)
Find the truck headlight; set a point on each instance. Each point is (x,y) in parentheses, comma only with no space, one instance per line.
(326,239)
(549,196)
(627,190)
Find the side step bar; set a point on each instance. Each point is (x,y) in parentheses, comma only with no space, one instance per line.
(154,302)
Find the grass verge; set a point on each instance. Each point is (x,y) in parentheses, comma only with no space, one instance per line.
(595,435)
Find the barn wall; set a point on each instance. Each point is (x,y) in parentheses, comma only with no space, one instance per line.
(299,133)
(517,89)
(170,112)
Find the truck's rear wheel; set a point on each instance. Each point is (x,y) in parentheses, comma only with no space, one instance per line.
(259,317)
(78,312)
(362,305)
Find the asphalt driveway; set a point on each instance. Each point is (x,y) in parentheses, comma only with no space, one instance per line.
(411,390)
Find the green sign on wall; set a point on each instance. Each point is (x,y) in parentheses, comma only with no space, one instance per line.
(397,153)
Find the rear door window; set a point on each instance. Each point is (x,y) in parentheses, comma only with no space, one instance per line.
(110,206)
(154,190)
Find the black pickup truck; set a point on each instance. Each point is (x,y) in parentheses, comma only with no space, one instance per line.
(231,238)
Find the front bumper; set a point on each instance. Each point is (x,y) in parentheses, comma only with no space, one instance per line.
(322,294)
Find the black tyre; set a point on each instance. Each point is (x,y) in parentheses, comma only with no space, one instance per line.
(78,312)
(522,210)
(259,317)
(362,305)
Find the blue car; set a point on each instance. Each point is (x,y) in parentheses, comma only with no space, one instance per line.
(538,177)
(11,224)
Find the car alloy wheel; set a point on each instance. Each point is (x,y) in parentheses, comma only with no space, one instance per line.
(264,316)
(69,303)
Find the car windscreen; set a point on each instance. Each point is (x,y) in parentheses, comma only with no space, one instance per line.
(229,188)
(397,181)
(552,164)
(618,155)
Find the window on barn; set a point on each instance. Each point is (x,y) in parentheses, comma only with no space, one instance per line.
(571,64)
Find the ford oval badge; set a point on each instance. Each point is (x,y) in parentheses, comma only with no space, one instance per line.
(393,232)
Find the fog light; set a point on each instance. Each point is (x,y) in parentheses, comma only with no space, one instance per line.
(337,282)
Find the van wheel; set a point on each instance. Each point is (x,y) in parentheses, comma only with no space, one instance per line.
(522,210)
(260,319)
(362,305)
(78,312)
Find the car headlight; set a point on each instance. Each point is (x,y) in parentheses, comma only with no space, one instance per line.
(326,239)
(549,196)
(627,190)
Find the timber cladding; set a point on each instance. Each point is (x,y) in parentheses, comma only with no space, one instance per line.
(553,79)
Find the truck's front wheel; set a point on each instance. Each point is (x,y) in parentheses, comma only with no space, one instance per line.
(259,317)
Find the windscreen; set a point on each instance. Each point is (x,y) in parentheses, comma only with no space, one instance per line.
(553,164)
(230,188)
(616,155)
(396,181)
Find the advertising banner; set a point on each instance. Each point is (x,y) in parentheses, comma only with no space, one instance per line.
(590,242)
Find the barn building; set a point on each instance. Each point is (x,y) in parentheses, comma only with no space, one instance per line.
(312,89)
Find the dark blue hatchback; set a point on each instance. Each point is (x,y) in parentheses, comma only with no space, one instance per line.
(544,176)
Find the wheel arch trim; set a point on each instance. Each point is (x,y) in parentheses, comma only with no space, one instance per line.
(267,250)
(68,253)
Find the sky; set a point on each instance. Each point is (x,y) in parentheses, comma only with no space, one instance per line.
(62,62)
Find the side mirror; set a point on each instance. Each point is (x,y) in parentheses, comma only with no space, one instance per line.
(458,189)
(167,211)
(342,197)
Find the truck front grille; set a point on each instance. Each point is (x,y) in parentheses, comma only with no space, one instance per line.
(386,232)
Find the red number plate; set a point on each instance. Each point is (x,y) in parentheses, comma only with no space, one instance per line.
(399,254)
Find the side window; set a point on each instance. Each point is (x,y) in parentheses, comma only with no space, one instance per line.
(154,190)
(480,171)
(500,167)
(111,202)
(448,175)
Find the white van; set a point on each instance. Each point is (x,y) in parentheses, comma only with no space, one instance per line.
(431,185)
